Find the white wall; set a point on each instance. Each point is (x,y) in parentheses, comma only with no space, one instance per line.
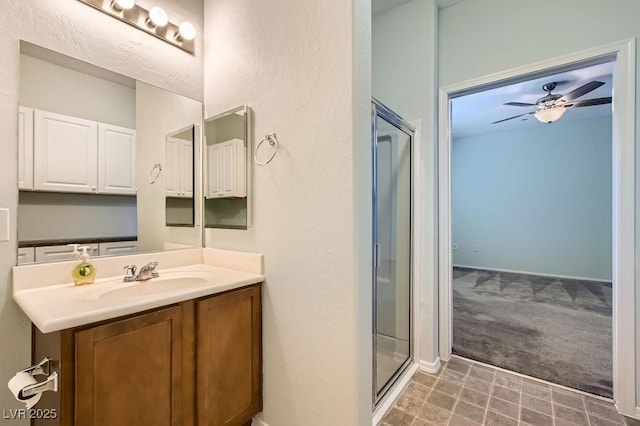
(478,38)
(160,112)
(293,63)
(45,215)
(536,200)
(75,29)
(51,87)
(404,78)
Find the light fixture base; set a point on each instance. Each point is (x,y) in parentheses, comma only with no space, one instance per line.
(137,17)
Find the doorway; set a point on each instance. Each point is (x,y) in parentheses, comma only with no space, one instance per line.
(623,274)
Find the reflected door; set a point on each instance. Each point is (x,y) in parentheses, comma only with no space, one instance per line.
(392,331)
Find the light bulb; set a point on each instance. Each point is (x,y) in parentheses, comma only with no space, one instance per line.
(550,115)
(157,17)
(121,5)
(186,31)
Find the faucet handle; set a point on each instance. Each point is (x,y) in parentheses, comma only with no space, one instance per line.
(152,266)
(130,270)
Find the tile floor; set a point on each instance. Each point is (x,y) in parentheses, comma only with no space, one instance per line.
(468,394)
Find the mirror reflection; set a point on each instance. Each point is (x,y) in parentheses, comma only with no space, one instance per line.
(179,177)
(228,169)
(88,140)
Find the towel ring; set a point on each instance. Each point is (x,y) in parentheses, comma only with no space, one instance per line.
(155,173)
(273,141)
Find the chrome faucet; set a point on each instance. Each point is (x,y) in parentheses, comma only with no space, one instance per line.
(147,272)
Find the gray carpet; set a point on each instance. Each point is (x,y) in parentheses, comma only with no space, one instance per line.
(554,329)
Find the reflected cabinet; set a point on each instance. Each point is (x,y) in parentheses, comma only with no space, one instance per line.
(227,168)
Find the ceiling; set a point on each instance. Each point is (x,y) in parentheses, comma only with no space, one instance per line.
(378,7)
(473,114)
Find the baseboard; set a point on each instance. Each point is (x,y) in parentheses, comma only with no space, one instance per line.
(387,402)
(258,421)
(430,367)
(637,416)
(538,274)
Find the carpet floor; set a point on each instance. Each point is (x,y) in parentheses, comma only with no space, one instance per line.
(554,329)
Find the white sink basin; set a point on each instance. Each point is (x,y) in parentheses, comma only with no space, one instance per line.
(167,282)
(153,286)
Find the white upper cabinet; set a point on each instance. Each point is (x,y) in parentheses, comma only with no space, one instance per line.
(226,170)
(65,153)
(186,168)
(116,160)
(179,168)
(25,148)
(68,154)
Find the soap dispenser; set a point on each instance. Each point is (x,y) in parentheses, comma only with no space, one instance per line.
(84,272)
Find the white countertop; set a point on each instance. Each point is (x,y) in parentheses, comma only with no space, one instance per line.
(52,305)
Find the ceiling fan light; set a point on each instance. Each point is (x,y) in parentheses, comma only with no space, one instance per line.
(549,115)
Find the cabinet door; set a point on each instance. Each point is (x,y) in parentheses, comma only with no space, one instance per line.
(171,168)
(229,359)
(25,148)
(226,169)
(129,372)
(214,187)
(186,169)
(118,248)
(65,153)
(116,160)
(61,252)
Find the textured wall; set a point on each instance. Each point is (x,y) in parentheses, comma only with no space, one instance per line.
(72,28)
(535,200)
(292,62)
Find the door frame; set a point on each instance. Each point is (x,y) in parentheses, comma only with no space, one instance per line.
(624,186)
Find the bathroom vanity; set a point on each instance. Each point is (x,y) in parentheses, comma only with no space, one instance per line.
(183,350)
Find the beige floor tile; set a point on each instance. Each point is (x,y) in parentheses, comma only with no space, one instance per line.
(449,388)
(570,400)
(482,373)
(539,390)
(474,397)
(478,385)
(536,404)
(505,408)
(397,417)
(434,415)
(534,418)
(424,379)
(471,412)
(560,412)
(506,394)
(441,400)
(496,419)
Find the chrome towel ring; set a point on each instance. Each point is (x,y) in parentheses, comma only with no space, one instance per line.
(273,141)
(155,173)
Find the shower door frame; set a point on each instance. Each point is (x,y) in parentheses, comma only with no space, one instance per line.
(378,109)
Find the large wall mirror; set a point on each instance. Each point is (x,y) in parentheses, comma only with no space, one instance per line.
(95,166)
(228,162)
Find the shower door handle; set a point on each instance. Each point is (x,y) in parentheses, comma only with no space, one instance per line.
(376,256)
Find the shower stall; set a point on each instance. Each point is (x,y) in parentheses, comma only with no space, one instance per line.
(392,145)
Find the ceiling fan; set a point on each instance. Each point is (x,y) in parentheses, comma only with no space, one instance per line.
(552,106)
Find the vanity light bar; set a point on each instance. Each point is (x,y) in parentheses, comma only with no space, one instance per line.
(154,21)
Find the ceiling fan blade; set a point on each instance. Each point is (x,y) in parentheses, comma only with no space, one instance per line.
(511,118)
(580,91)
(520,104)
(589,102)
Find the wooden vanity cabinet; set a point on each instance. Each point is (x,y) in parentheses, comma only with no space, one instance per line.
(229,342)
(195,363)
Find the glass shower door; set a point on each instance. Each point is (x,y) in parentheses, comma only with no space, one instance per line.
(392,295)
